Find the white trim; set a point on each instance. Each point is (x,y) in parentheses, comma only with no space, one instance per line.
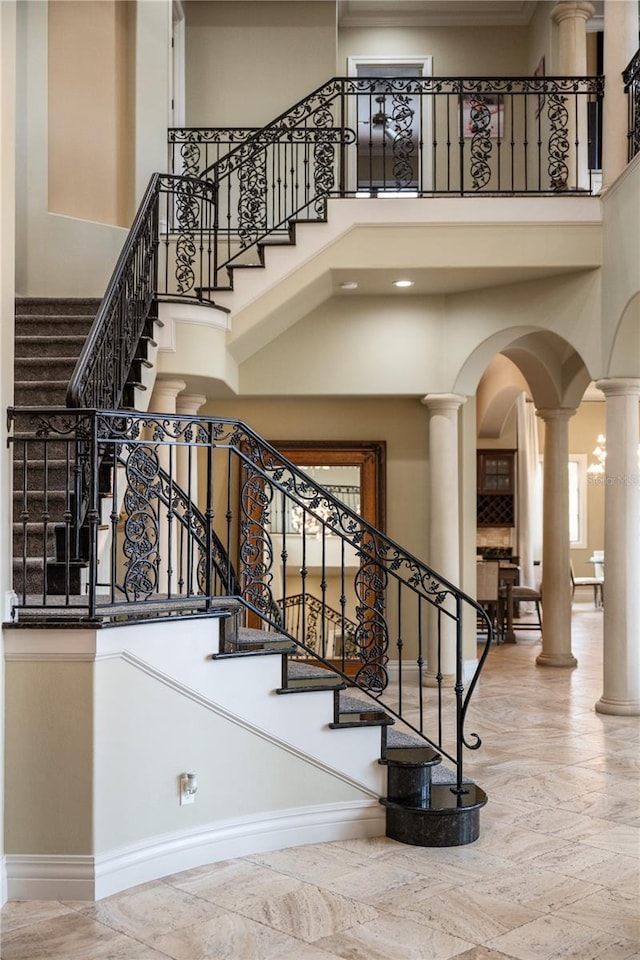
(45,877)
(178,65)
(3,881)
(49,877)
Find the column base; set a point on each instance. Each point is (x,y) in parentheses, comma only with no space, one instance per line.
(618,708)
(556,660)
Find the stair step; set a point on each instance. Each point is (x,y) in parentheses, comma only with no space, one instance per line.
(53,326)
(39,345)
(34,393)
(310,684)
(366,718)
(57,305)
(411,757)
(451,819)
(44,368)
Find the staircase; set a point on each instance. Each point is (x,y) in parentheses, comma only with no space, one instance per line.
(423,806)
(49,335)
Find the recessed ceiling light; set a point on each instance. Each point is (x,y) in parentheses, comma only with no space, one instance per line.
(403,283)
(349,285)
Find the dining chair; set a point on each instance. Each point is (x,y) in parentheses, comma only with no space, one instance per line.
(596,582)
(524,594)
(488,592)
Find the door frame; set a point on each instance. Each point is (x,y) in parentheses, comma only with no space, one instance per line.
(424,65)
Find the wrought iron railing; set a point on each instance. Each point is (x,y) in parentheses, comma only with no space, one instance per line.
(631,78)
(322,628)
(149,543)
(407,136)
(167,250)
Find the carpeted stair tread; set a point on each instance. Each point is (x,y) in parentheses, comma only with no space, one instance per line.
(28,368)
(60,347)
(57,305)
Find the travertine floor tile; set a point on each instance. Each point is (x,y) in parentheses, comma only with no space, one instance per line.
(73,937)
(392,938)
(555,874)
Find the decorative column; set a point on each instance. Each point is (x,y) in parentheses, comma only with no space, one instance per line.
(188,405)
(163,402)
(444,524)
(556,558)
(620,44)
(571,17)
(621,659)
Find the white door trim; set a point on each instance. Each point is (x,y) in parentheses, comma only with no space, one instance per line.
(424,68)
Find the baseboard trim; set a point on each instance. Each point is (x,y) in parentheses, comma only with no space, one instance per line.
(49,877)
(3,881)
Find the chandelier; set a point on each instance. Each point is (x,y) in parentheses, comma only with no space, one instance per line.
(600,453)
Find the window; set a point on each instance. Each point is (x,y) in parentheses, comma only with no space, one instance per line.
(577,498)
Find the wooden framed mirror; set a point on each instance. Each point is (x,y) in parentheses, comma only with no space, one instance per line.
(324,610)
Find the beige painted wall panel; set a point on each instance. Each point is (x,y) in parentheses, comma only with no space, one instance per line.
(147,734)
(462,52)
(49,758)
(247,62)
(425,344)
(401,423)
(621,277)
(7,281)
(89,116)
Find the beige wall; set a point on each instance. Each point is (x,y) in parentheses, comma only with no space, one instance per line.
(58,254)
(247,62)
(463,51)
(401,423)
(90,122)
(7,271)
(49,758)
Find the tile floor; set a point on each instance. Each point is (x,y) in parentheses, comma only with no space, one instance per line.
(553,876)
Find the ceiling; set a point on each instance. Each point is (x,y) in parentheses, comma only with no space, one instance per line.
(427,281)
(435,13)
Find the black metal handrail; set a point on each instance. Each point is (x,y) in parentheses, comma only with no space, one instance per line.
(408,619)
(631,79)
(412,136)
(164,248)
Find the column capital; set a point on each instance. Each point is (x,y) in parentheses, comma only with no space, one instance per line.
(573,9)
(556,413)
(188,404)
(164,394)
(443,401)
(620,386)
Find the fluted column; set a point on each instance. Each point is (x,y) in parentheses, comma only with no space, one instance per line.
(620,44)
(163,401)
(571,17)
(188,405)
(556,558)
(621,693)
(444,523)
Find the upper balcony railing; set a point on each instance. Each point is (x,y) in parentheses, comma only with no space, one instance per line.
(631,77)
(393,137)
(422,135)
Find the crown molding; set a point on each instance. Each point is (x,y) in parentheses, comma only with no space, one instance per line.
(435,13)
